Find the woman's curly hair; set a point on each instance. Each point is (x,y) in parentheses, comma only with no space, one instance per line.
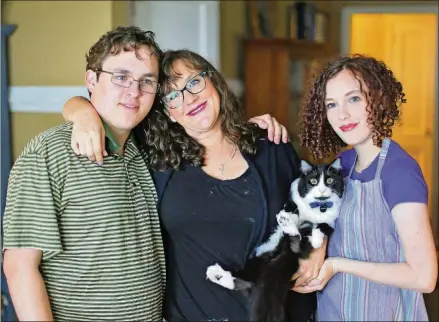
(168,144)
(383,92)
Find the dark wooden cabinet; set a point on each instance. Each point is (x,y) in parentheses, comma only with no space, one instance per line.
(277,73)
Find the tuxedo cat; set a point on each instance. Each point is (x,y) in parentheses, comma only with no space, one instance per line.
(307,217)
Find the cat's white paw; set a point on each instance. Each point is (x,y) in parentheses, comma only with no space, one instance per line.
(316,238)
(288,223)
(217,275)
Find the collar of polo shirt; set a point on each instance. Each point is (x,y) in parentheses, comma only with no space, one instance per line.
(111,144)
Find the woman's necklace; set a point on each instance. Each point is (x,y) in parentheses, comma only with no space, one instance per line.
(222,168)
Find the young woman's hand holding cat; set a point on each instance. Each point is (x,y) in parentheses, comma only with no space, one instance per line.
(327,270)
(310,267)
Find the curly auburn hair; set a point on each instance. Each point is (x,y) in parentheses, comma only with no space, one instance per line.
(168,143)
(383,92)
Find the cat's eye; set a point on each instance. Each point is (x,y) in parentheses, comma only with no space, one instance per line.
(329,181)
(313,181)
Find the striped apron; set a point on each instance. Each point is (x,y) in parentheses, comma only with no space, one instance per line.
(365,231)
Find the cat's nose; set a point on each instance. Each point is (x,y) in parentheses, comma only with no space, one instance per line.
(322,198)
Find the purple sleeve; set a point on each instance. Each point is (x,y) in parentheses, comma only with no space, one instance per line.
(403,181)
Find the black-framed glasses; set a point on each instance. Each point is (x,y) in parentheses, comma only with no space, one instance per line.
(194,85)
(125,80)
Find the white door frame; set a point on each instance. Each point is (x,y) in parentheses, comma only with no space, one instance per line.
(345,36)
(207,33)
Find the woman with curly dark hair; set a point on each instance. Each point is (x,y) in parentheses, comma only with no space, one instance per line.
(381,257)
(220,182)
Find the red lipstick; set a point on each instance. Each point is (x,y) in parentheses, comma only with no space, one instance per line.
(197,109)
(348,127)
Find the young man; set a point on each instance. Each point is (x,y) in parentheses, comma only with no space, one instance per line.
(83,242)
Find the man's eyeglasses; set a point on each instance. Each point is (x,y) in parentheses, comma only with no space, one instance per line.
(194,86)
(124,80)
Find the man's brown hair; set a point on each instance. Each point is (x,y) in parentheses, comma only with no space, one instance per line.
(120,39)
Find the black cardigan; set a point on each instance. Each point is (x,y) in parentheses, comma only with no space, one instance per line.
(277,166)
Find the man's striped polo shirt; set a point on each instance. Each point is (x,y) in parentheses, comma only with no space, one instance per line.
(97,227)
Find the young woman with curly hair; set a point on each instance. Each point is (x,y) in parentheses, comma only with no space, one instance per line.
(220,182)
(381,257)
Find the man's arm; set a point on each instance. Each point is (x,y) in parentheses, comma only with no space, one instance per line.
(26,284)
(31,233)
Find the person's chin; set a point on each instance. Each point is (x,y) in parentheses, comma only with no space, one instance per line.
(354,139)
(128,125)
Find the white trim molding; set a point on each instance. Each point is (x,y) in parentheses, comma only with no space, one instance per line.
(42,99)
(51,99)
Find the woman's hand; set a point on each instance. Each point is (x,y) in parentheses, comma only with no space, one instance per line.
(328,270)
(275,130)
(88,137)
(88,133)
(309,268)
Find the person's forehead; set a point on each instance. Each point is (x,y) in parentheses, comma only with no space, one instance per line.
(133,62)
(341,81)
(181,73)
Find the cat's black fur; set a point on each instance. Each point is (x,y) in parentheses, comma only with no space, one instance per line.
(267,275)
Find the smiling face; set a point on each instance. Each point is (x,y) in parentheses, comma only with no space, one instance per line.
(199,113)
(122,108)
(346,108)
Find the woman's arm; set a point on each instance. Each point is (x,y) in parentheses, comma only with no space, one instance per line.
(88,134)
(77,106)
(418,272)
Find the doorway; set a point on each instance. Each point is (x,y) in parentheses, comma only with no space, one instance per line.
(407,43)
(406,39)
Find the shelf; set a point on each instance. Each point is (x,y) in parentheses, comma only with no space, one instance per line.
(298,48)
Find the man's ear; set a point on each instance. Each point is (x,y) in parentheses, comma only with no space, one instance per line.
(90,80)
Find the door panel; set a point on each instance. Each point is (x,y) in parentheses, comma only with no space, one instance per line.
(407,44)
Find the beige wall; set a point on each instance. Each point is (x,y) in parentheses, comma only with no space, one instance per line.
(48,49)
(49,45)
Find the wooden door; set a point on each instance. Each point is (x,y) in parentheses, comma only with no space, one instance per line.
(407,43)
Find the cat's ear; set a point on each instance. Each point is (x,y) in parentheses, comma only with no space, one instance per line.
(305,166)
(336,164)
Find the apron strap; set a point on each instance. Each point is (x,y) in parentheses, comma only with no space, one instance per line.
(353,166)
(382,158)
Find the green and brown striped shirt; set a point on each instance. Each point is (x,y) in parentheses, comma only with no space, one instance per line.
(97,227)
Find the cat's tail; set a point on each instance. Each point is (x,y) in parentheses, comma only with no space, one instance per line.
(268,299)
